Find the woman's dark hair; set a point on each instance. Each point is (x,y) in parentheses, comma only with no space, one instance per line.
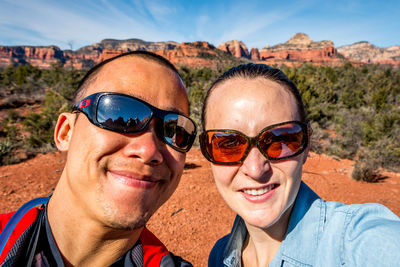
(253,71)
(92,73)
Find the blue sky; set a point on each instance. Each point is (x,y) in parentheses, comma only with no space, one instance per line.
(76,23)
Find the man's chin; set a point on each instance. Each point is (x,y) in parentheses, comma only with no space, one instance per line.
(125,219)
(127,225)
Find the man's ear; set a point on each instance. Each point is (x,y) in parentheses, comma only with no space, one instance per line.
(63,130)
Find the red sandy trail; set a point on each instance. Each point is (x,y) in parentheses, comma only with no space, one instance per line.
(196,216)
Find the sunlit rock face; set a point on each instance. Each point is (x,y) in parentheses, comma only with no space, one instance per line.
(301,48)
(297,50)
(235,48)
(368,53)
(41,56)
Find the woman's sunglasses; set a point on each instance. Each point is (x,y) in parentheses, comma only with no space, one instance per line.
(276,142)
(127,114)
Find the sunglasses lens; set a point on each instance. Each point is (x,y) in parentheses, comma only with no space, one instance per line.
(283,141)
(179,131)
(225,147)
(122,114)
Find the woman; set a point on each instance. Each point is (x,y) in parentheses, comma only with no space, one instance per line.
(257,139)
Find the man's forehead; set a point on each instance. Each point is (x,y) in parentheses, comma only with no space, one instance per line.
(145,79)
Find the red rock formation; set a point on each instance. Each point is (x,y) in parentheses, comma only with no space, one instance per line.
(197,44)
(41,56)
(313,55)
(368,53)
(301,48)
(235,48)
(195,54)
(255,54)
(106,54)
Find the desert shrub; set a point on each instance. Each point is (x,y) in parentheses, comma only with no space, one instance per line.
(11,139)
(360,104)
(197,81)
(366,169)
(40,126)
(363,171)
(317,137)
(25,84)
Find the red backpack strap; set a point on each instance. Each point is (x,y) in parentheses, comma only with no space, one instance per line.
(153,249)
(21,226)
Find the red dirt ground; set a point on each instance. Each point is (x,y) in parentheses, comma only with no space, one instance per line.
(196,216)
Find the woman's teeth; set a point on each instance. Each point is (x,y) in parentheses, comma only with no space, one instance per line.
(257,192)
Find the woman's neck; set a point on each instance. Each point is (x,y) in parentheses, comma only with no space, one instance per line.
(261,245)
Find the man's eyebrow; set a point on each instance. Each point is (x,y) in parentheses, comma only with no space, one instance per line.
(171,108)
(175,110)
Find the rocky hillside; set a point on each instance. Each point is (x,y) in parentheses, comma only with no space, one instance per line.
(41,56)
(368,53)
(300,48)
(194,54)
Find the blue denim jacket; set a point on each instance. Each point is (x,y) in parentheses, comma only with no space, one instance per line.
(324,233)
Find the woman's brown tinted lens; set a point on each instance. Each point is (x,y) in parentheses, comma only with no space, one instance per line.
(226,147)
(275,142)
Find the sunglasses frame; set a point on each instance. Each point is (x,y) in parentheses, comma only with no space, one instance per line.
(254,142)
(89,107)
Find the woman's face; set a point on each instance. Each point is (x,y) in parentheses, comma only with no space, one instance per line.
(260,191)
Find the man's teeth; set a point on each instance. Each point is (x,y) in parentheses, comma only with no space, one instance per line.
(257,192)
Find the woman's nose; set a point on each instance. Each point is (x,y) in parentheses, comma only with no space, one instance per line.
(256,165)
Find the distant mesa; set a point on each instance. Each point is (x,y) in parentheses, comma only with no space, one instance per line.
(301,48)
(298,49)
(368,53)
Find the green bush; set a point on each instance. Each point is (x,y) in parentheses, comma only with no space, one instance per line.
(54,87)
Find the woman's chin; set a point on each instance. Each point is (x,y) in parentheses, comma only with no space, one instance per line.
(261,222)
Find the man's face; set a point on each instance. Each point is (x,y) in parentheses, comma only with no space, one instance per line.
(119,179)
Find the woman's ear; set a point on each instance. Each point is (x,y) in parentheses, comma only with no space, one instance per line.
(63,130)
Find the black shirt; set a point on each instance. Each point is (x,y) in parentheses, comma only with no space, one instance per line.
(47,253)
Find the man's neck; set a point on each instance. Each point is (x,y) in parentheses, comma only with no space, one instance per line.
(83,241)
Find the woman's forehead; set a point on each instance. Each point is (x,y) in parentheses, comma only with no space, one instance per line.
(258,89)
(250,101)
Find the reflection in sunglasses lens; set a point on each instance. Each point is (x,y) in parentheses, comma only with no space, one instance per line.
(122,113)
(178,130)
(283,141)
(227,147)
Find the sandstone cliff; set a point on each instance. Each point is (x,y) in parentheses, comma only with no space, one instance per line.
(368,53)
(255,54)
(235,48)
(195,54)
(301,48)
(41,56)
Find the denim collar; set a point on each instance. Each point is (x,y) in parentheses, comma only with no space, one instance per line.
(304,226)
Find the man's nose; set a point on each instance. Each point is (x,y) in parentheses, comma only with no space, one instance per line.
(256,165)
(146,146)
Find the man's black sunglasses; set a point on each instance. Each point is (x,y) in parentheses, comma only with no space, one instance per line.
(127,114)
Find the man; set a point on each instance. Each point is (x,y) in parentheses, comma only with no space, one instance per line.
(126,141)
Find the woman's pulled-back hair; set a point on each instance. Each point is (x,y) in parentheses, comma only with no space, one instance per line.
(253,71)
